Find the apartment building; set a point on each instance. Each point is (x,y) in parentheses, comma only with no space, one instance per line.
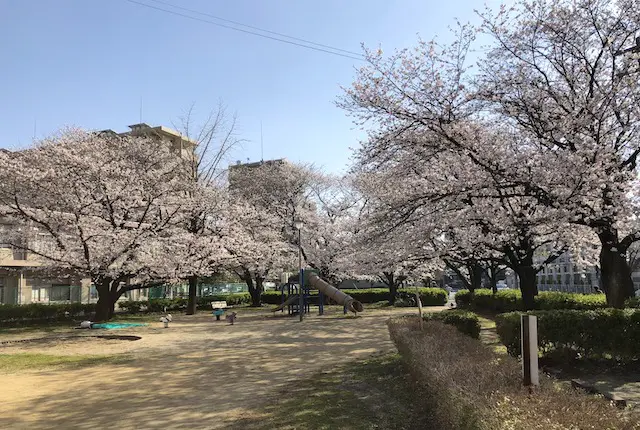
(21,277)
(565,276)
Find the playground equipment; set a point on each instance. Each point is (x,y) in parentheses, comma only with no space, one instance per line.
(219,308)
(311,280)
(166,319)
(335,294)
(108,326)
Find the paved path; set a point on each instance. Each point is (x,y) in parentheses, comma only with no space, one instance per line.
(196,374)
(625,387)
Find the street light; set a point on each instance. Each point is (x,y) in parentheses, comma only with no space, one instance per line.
(298,223)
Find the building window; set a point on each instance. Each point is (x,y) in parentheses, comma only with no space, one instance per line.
(39,294)
(93,292)
(60,293)
(19,254)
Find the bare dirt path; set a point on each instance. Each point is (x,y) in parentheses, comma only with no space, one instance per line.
(197,374)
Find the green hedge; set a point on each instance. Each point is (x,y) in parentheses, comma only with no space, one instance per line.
(271,297)
(578,333)
(633,302)
(466,385)
(44,312)
(465,321)
(511,300)
(428,296)
(180,303)
(463,299)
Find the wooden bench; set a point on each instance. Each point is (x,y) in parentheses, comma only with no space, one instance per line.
(218,308)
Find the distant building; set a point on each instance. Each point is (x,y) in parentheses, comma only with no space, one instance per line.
(564,275)
(235,169)
(180,144)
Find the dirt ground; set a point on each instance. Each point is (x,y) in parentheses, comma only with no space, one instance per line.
(198,374)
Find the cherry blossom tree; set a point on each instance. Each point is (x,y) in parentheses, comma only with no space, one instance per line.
(214,139)
(267,198)
(200,246)
(555,71)
(97,205)
(469,215)
(329,229)
(380,247)
(552,91)
(257,246)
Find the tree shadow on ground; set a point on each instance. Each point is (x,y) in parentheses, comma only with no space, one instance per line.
(375,393)
(199,375)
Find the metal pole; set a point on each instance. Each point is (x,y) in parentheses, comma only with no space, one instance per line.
(301,275)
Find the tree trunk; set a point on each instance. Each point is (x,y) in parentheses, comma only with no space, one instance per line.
(193,289)
(393,288)
(615,272)
(255,289)
(528,286)
(475,274)
(105,308)
(492,274)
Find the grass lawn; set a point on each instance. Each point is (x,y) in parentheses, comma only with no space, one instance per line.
(371,394)
(50,327)
(30,361)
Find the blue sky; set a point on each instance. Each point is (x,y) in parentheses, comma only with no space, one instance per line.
(87,63)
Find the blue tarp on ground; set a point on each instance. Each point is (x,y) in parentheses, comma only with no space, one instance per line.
(111,326)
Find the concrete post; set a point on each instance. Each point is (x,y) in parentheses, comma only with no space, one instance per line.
(529,345)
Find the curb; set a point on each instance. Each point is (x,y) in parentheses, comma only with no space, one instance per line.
(617,400)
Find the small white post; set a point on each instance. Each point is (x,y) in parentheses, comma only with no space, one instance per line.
(419,302)
(529,348)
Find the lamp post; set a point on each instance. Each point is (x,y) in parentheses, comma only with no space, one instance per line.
(297,223)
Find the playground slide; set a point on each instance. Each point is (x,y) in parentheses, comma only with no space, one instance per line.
(291,300)
(338,296)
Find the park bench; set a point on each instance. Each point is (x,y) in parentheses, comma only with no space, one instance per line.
(218,308)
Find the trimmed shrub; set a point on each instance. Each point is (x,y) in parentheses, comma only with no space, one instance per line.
(483,299)
(511,300)
(133,306)
(428,296)
(633,302)
(568,334)
(202,303)
(466,385)
(463,299)
(465,321)
(549,300)
(271,297)
(158,305)
(232,299)
(40,312)
(368,295)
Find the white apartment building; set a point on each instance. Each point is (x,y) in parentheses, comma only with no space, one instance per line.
(565,276)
